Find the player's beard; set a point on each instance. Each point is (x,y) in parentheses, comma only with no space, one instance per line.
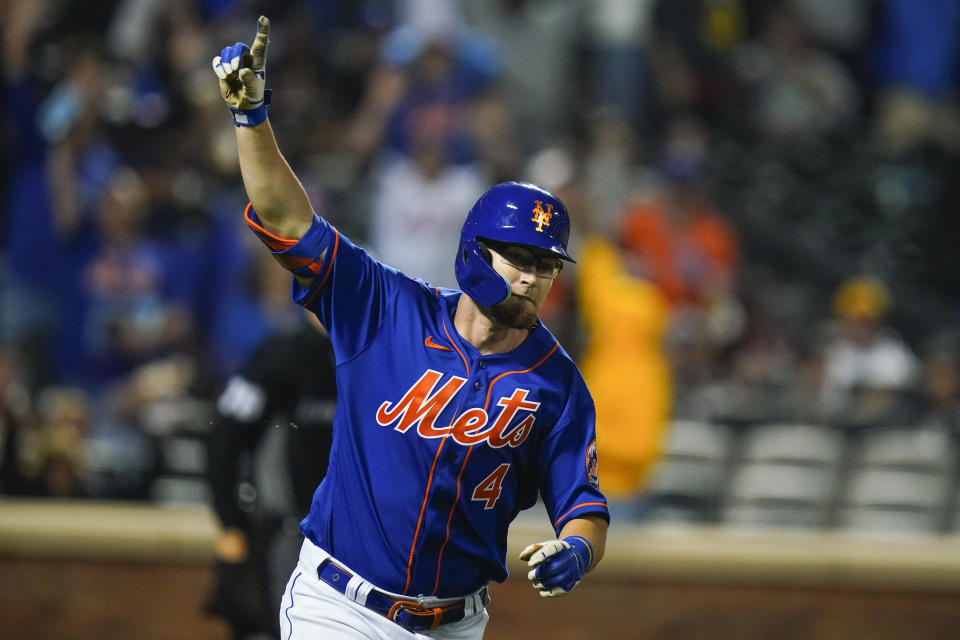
(516,312)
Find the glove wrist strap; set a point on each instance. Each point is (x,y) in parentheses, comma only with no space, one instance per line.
(252,117)
(584,550)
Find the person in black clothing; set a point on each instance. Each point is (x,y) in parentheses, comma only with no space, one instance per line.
(261,404)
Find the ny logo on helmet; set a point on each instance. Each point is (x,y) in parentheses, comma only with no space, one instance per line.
(542,216)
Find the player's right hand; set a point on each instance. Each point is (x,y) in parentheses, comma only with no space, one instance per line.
(558,565)
(241,71)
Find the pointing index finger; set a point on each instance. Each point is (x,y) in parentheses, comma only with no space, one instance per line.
(263,28)
(259,48)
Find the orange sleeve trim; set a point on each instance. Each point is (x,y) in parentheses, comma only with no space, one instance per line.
(579,506)
(295,264)
(272,240)
(494,381)
(336,245)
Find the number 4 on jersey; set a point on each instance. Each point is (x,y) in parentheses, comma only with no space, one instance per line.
(490,487)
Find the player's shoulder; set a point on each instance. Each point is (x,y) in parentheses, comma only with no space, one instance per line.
(430,300)
(444,295)
(558,357)
(405,284)
(433,296)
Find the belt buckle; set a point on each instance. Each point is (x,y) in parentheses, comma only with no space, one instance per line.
(416,609)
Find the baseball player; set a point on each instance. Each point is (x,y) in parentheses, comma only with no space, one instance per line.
(455,409)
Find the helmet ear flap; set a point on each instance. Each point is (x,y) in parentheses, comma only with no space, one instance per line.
(484,252)
(477,277)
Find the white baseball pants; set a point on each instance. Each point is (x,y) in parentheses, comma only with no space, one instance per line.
(313,610)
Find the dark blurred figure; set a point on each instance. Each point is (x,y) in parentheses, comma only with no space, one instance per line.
(430,165)
(60,163)
(679,239)
(131,302)
(16,417)
(539,43)
(619,57)
(692,40)
(54,457)
(940,385)
(259,496)
(794,91)
(685,245)
(431,66)
(246,315)
(763,377)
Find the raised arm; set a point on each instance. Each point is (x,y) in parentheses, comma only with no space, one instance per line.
(277,195)
(273,188)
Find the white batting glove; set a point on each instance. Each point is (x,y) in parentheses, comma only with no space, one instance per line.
(558,565)
(241,71)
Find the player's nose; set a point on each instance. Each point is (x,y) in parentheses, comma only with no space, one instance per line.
(527,277)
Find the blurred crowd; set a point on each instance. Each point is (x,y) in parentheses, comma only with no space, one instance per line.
(761,196)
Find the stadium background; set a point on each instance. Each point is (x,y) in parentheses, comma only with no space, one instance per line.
(775,180)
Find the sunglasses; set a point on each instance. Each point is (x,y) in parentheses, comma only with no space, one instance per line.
(525,260)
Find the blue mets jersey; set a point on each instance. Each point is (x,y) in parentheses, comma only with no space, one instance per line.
(436,448)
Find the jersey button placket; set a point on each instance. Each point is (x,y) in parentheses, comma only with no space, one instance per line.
(442,501)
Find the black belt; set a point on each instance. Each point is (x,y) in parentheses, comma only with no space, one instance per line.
(409,614)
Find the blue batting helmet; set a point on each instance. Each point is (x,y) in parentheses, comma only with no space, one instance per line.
(515,213)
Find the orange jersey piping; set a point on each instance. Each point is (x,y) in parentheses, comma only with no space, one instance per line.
(446,539)
(507,373)
(423,507)
(426,494)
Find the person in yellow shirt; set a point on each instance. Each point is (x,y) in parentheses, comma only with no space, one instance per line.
(626,367)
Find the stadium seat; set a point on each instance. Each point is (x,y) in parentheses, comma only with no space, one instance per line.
(785,476)
(794,443)
(687,482)
(900,481)
(906,447)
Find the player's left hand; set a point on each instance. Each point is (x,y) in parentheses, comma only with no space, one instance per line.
(241,70)
(558,565)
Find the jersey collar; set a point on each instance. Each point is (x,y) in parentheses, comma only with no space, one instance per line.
(538,343)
